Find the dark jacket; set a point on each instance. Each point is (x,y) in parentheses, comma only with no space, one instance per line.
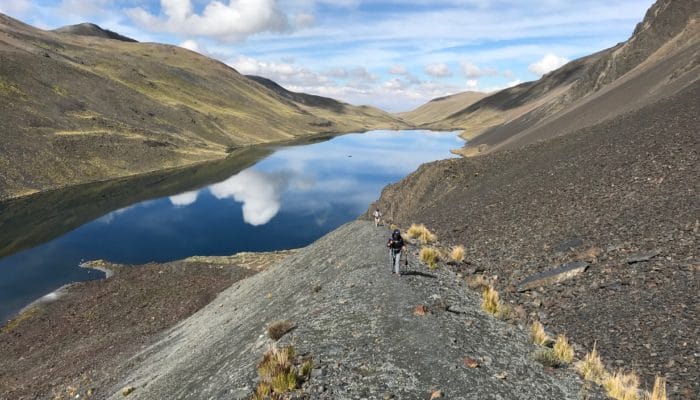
(395,243)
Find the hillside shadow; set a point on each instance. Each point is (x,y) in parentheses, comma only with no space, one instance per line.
(418,273)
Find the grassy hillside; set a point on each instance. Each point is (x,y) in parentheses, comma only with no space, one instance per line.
(441,108)
(84,108)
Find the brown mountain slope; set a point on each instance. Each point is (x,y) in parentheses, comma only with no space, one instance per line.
(660,59)
(84,108)
(441,107)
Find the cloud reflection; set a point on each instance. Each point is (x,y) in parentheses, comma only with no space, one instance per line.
(258,191)
(184,199)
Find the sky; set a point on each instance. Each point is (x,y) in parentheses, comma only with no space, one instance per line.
(392,54)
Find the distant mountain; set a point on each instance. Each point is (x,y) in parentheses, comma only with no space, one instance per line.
(79,108)
(88,29)
(659,60)
(301,98)
(441,107)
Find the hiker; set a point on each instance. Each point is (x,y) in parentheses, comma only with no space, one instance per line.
(377,216)
(395,245)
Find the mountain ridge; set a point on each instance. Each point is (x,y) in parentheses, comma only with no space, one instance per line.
(81,109)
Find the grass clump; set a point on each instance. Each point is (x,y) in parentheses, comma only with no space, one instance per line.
(422,233)
(457,254)
(280,373)
(429,256)
(622,386)
(491,300)
(547,357)
(563,350)
(591,367)
(539,336)
(279,328)
(659,390)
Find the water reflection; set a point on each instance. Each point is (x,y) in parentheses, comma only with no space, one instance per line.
(286,200)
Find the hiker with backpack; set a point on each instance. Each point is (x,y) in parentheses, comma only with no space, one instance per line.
(395,245)
(377,216)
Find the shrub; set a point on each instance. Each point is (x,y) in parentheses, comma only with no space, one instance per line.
(429,256)
(279,373)
(591,367)
(278,329)
(538,334)
(491,300)
(659,391)
(547,357)
(422,233)
(621,386)
(457,253)
(563,350)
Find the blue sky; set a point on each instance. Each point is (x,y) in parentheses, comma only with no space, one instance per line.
(392,54)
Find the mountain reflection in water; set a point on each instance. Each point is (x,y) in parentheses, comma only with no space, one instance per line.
(286,200)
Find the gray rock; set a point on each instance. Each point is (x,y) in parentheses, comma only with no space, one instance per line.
(559,274)
(641,257)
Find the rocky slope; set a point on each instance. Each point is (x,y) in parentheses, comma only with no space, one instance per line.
(441,108)
(354,318)
(622,196)
(80,106)
(659,60)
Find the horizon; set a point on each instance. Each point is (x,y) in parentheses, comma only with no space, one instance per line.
(361,52)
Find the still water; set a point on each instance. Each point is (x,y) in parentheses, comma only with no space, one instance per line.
(285,200)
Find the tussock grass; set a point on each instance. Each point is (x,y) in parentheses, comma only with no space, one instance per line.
(538,334)
(279,328)
(279,373)
(491,300)
(622,386)
(547,357)
(457,253)
(563,350)
(430,256)
(659,391)
(422,233)
(591,367)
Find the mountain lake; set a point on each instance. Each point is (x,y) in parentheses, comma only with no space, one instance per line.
(267,198)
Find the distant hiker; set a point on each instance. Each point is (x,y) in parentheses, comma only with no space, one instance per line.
(377,217)
(395,245)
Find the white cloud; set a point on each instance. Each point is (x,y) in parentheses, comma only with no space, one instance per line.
(190,45)
(472,84)
(304,20)
(259,192)
(235,21)
(472,71)
(548,63)
(14,7)
(438,70)
(398,69)
(184,199)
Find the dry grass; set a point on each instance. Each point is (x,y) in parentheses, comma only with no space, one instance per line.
(457,253)
(538,334)
(563,350)
(430,256)
(422,233)
(659,391)
(591,367)
(280,374)
(547,357)
(491,300)
(622,386)
(278,329)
